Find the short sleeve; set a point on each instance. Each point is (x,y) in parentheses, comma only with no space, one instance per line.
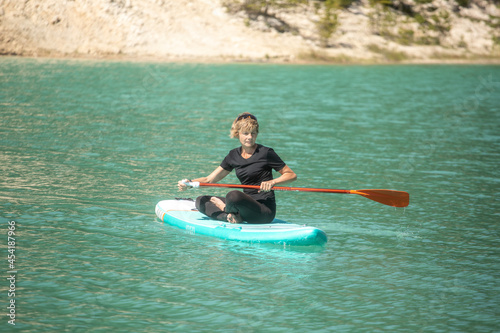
(274,160)
(226,165)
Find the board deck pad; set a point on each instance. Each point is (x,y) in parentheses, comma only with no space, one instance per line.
(183,214)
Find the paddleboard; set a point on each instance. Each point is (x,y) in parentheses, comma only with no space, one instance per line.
(183,214)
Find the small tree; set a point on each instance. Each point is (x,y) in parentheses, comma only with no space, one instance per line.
(328,22)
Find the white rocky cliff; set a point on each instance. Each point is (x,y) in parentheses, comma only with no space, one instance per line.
(207,30)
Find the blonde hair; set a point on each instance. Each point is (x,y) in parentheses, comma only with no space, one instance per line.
(242,123)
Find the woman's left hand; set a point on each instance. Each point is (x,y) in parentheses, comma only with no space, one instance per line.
(267,186)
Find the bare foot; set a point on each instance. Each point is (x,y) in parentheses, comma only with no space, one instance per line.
(231,217)
(234,218)
(218,203)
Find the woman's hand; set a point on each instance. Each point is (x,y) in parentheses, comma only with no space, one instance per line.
(287,175)
(267,186)
(182,184)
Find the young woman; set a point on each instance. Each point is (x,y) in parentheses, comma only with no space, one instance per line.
(253,164)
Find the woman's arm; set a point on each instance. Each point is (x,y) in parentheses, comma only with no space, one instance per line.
(214,177)
(287,176)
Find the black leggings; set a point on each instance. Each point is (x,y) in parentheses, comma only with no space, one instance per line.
(250,210)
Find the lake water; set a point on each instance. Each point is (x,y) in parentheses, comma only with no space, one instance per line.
(88,148)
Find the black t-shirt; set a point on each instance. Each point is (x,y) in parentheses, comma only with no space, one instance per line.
(255,169)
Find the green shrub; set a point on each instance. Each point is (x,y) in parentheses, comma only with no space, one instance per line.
(463,3)
(260,7)
(406,36)
(428,40)
(344,3)
(328,21)
(389,55)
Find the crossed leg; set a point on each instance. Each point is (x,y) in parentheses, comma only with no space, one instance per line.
(236,207)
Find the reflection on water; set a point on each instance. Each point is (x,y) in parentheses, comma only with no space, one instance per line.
(89,148)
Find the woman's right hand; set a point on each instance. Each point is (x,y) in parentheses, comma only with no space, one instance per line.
(182,184)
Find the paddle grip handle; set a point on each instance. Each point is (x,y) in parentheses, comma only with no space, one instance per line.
(192,184)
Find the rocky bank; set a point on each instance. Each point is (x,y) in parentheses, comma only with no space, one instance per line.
(206,30)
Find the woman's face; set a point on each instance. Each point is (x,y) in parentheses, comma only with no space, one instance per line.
(247,138)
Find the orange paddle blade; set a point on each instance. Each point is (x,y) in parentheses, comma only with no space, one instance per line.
(386,197)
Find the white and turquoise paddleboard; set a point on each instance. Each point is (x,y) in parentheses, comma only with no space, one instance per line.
(182,213)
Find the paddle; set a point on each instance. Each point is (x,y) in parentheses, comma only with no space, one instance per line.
(386,197)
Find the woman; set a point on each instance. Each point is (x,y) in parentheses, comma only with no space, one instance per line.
(253,164)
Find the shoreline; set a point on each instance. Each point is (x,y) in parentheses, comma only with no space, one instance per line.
(299,60)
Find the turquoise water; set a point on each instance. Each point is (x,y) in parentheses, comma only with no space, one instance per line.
(88,149)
